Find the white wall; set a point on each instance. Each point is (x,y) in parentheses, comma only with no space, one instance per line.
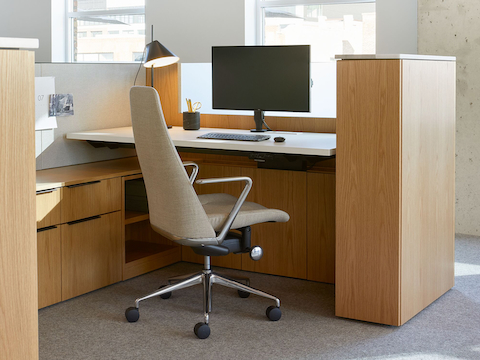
(28,19)
(189,28)
(100,100)
(396,26)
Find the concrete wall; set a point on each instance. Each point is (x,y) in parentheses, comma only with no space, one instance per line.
(28,19)
(452,28)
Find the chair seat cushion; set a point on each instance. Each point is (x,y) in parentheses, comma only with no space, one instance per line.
(218,206)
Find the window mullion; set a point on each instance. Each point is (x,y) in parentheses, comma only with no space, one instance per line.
(131,11)
(263,4)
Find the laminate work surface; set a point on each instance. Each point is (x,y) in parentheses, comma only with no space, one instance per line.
(301,143)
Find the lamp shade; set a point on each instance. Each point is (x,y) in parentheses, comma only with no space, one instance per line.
(158,55)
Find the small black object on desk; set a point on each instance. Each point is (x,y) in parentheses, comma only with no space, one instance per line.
(191,120)
(279,139)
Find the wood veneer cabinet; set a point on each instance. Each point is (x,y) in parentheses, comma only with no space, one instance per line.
(144,249)
(395,187)
(18,249)
(303,247)
(87,237)
(49,251)
(91,254)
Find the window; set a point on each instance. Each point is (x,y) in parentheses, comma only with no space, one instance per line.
(137,56)
(95,57)
(331,27)
(105,30)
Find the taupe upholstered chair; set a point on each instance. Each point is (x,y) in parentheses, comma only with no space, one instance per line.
(203,222)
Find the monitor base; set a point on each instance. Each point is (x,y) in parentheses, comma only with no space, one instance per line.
(259,118)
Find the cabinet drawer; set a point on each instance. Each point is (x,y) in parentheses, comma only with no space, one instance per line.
(48,207)
(49,267)
(91,254)
(92,198)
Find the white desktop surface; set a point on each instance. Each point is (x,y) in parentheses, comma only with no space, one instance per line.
(395,57)
(301,143)
(18,43)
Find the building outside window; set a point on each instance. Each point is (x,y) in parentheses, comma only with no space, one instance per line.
(105,30)
(331,27)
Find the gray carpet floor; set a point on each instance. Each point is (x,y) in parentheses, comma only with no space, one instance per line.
(93,326)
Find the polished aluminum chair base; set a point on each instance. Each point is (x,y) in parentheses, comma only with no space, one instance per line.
(207,278)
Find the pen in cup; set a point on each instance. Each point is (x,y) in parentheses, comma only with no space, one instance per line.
(196,106)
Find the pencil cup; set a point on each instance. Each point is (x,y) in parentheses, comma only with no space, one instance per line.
(191,120)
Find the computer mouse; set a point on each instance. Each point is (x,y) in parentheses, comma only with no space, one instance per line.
(279,139)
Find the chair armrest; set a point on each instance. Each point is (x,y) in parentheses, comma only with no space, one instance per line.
(236,208)
(194,173)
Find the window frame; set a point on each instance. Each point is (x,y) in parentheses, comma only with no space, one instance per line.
(137,10)
(261,4)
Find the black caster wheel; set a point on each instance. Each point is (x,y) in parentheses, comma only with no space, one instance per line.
(274,313)
(243,294)
(132,314)
(202,330)
(166,295)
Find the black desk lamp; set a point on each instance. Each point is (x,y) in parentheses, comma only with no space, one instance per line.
(157,55)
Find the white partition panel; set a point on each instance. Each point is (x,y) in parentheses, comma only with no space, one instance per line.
(196,84)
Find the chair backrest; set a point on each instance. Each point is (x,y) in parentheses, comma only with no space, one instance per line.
(173,204)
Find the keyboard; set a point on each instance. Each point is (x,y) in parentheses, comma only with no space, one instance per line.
(239,137)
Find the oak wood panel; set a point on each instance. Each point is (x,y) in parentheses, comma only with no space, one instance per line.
(368,190)
(18,248)
(321,227)
(48,208)
(91,255)
(143,231)
(166,81)
(124,214)
(166,257)
(143,249)
(75,174)
(284,244)
(91,199)
(49,267)
(428,183)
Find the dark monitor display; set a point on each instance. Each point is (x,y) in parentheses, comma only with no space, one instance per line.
(266,78)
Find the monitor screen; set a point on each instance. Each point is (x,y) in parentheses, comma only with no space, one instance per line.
(267,78)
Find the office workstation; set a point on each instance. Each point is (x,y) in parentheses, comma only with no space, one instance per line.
(357,188)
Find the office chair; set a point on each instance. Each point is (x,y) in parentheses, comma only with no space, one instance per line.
(211,224)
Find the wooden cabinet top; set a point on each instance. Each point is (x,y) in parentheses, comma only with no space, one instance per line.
(76,174)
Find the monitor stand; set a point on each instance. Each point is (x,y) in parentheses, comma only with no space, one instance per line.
(259,117)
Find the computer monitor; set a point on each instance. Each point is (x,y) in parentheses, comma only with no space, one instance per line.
(261,78)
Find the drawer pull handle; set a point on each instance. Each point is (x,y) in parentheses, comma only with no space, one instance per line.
(46,191)
(83,184)
(47,228)
(83,220)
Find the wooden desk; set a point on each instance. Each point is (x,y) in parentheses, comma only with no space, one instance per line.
(308,196)
(394,191)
